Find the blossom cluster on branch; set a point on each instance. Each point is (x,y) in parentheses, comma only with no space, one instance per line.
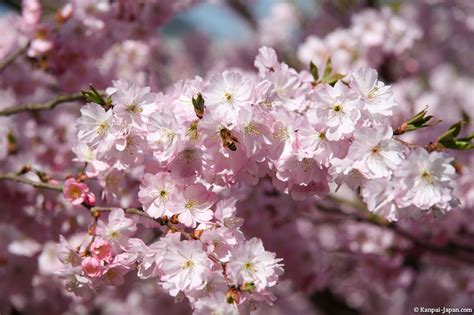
(197,141)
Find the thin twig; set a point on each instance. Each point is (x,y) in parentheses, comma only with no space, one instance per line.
(449,250)
(13,56)
(134,211)
(139,211)
(21,179)
(42,106)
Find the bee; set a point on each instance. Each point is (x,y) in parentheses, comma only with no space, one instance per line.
(198,104)
(228,140)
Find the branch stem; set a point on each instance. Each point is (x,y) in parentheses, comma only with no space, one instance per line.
(35,107)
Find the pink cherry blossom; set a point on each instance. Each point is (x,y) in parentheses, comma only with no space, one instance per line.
(374,153)
(339,109)
(184,267)
(94,125)
(102,250)
(226,94)
(193,206)
(92,267)
(118,230)
(427,180)
(377,97)
(156,192)
(77,193)
(251,263)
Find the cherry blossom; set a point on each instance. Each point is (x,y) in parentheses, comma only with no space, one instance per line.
(427,179)
(250,263)
(94,125)
(374,153)
(156,192)
(338,109)
(118,229)
(92,267)
(78,193)
(184,267)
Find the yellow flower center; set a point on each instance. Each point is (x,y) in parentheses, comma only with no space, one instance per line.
(252,129)
(229,97)
(375,150)
(281,134)
(427,177)
(249,266)
(134,109)
(75,192)
(337,107)
(188,264)
(190,204)
(103,127)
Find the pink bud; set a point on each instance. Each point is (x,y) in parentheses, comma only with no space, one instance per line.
(102,250)
(90,199)
(92,267)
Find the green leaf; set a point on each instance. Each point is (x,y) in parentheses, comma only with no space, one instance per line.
(448,139)
(314,71)
(458,145)
(452,132)
(95,96)
(334,78)
(419,120)
(248,287)
(327,70)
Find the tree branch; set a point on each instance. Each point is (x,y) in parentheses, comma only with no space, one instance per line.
(23,180)
(165,221)
(449,250)
(134,211)
(12,57)
(42,106)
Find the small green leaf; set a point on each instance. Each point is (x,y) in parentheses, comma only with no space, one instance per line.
(314,71)
(327,70)
(95,96)
(248,287)
(448,139)
(452,132)
(334,78)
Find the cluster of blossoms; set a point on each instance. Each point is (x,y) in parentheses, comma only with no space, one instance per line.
(217,271)
(373,37)
(279,124)
(77,46)
(204,137)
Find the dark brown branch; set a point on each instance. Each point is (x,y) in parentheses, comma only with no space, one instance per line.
(42,106)
(450,250)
